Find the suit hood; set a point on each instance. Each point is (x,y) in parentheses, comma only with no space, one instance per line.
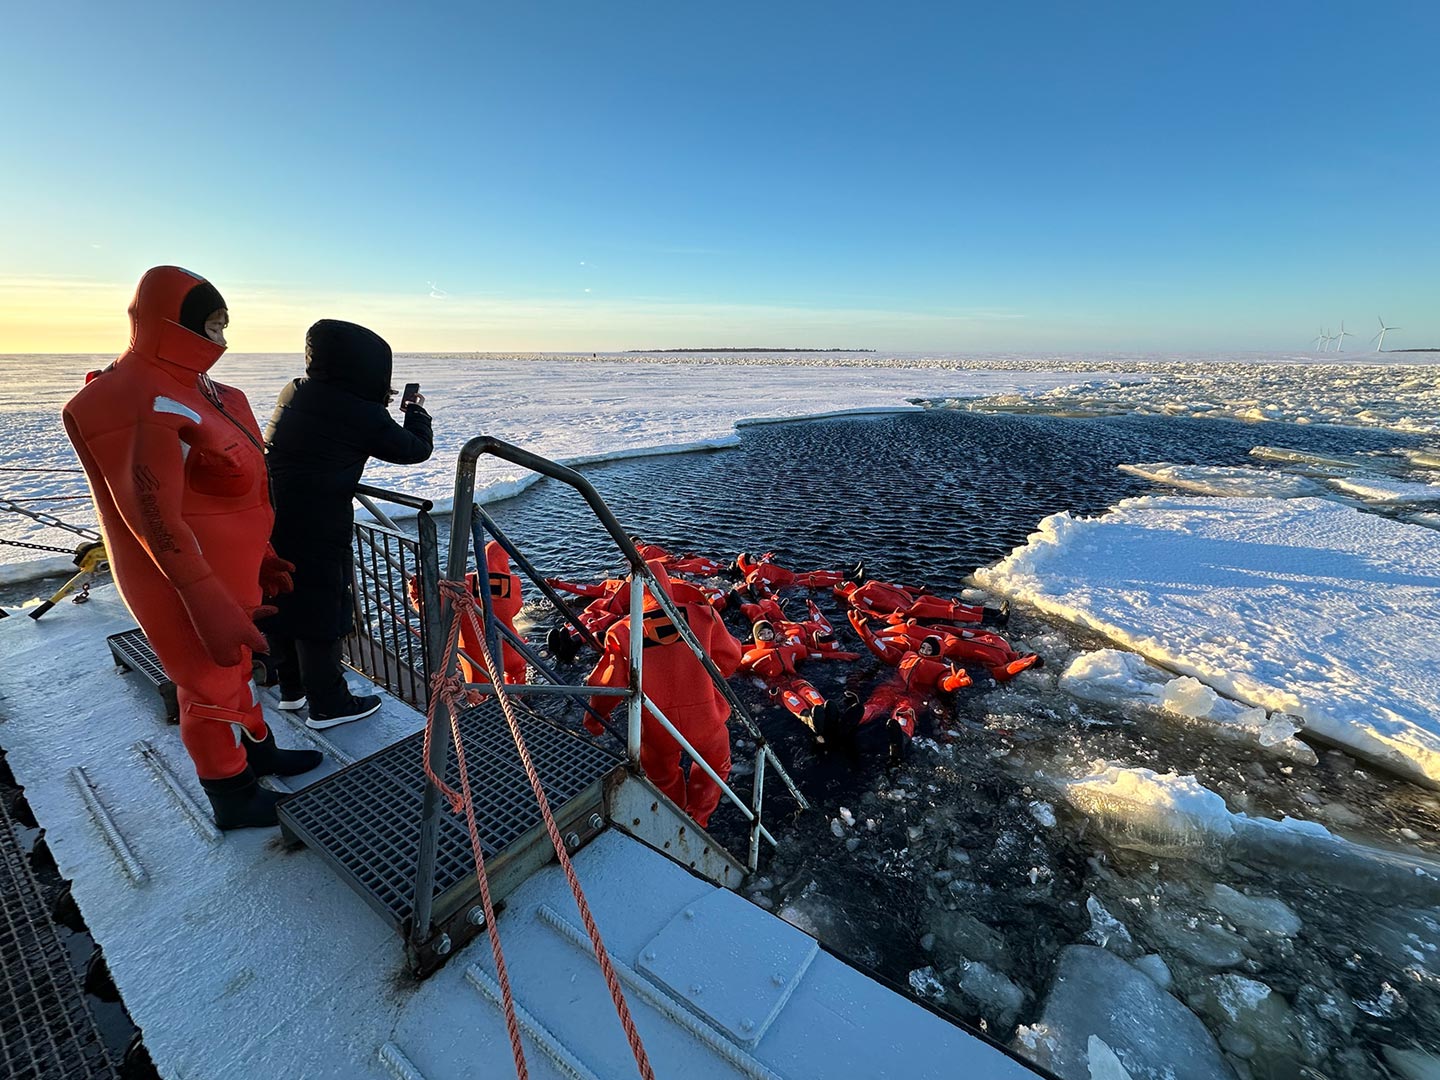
(348,356)
(163,320)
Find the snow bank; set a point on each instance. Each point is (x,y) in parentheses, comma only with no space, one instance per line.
(1299,606)
(1221,480)
(1126,680)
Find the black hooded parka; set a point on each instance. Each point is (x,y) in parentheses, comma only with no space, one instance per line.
(324,429)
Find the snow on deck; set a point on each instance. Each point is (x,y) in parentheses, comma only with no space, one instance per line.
(1299,606)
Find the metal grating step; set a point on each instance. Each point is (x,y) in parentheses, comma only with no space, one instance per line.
(131,650)
(365,819)
(46,1030)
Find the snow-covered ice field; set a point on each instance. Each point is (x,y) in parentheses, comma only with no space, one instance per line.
(1297,606)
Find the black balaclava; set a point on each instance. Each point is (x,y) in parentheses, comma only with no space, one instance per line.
(199,304)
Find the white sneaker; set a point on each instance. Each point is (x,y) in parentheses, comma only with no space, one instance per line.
(291,704)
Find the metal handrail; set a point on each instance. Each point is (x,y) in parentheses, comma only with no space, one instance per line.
(464,509)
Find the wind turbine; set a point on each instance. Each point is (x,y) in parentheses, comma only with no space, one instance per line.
(1340,337)
(1320,337)
(1329,337)
(1381,335)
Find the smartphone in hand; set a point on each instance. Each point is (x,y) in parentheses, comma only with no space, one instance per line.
(412,391)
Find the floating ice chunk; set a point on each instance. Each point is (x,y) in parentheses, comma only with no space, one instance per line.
(846,816)
(926,984)
(1260,913)
(1044,813)
(1127,680)
(995,997)
(1153,966)
(836,827)
(1413,1064)
(1387,1002)
(1104,1065)
(1378,490)
(1095,993)
(1107,931)
(1257,1022)
(1225,480)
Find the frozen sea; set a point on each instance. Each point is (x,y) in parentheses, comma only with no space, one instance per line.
(1132,804)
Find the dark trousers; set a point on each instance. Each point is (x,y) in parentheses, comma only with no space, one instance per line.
(310,667)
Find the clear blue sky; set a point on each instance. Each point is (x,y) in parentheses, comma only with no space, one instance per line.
(902,176)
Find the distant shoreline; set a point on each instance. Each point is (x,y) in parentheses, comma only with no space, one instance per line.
(1412,350)
(752,348)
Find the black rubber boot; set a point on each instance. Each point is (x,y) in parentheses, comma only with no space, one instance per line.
(562,646)
(239,802)
(997,617)
(267,759)
(857,576)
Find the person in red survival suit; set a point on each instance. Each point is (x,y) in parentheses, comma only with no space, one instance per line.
(699,565)
(764,577)
(911,602)
(896,636)
(815,632)
(774,659)
(611,603)
(919,678)
(177,471)
(675,680)
(506,601)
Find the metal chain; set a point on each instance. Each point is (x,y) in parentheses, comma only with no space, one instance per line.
(48,519)
(37,547)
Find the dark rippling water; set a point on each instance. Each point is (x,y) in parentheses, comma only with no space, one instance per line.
(957,869)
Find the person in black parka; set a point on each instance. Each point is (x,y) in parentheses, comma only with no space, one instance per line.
(324,429)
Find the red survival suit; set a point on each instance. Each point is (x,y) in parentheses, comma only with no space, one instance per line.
(883,598)
(918,678)
(611,601)
(764,577)
(775,660)
(506,601)
(177,470)
(698,565)
(892,639)
(678,684)
(816,632)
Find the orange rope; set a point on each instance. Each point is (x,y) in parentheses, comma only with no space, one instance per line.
(453,690)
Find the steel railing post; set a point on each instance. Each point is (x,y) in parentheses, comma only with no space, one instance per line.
(637,661)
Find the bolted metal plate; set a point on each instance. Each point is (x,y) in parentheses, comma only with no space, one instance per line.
(730,962)
(365,819)
(46,1029)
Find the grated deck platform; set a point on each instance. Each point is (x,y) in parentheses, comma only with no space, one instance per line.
(365,819)
(46,1030)
(131,650)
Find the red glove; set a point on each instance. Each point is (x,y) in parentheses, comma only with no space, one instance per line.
(594,726)
(223,626)
(275,579)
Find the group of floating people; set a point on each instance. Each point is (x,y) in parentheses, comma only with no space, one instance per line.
(928,640)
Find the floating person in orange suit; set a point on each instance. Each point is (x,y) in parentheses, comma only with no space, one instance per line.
(764,577)
(883,598)
(696,565)
(176,466)
(891,639)
(774,658)
(919,677)
(506,600)
(611,603)
(677,682)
